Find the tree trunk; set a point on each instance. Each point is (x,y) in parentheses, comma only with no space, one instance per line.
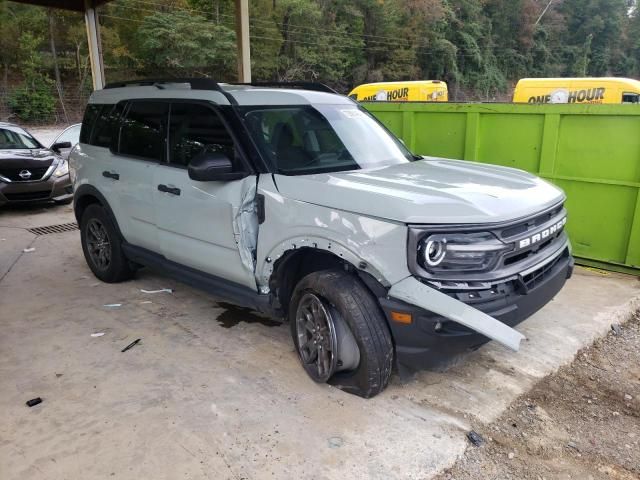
(56,69)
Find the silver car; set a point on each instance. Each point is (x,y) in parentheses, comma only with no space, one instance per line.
(294,201)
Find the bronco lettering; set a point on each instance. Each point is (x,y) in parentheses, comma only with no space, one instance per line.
(526,242)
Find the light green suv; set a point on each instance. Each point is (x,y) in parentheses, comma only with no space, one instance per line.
(296,202)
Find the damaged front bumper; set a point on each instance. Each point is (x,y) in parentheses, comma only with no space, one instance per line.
(446,323)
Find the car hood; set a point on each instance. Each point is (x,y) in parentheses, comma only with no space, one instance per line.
(26,158)
(432,190)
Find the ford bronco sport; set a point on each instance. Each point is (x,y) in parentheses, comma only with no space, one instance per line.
(296,202)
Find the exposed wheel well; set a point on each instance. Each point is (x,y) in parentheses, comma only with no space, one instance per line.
(294,265)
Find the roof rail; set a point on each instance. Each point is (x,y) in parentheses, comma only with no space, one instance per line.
(201,83)
(195,83)
(317,86)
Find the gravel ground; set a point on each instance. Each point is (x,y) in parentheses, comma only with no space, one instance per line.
(582,422)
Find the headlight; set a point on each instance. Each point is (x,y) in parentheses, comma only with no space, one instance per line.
(62,169)
(460,252)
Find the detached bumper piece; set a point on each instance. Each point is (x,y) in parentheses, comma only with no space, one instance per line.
(434,339)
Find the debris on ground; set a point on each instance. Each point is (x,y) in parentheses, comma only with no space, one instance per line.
(475,438)
(145,302)
(97,334)
(168,290)
(582,422)
(113,305)
(29,250)
(34,401)
(131,345)
(335,442)
(617,329)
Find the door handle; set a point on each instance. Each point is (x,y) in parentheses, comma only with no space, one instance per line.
(171,190)
(113,175)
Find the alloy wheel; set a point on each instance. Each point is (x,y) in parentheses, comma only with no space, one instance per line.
(98,244)
(316,336)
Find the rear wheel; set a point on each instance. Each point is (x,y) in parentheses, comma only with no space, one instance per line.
(102,247)
(340,333)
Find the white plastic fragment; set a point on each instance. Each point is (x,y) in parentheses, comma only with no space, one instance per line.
(29,250)
(168,290)
(146,301)
(113,305)
(98,334)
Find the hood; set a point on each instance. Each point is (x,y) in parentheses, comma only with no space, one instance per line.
(428,191)
(26,158)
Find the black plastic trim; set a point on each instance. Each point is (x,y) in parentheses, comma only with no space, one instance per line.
(316,86)
(216,286)
(89,190)
(432,340)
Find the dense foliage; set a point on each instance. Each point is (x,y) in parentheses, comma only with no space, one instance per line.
(479,46)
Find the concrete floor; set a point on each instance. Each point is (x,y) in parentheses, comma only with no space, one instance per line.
(211,392)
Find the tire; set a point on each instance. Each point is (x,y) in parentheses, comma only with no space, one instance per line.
(104,257)
(340,298)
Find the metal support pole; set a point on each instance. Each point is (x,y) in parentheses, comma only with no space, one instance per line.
(242,39)
(93,41)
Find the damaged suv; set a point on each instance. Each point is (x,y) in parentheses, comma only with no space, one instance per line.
(296,202)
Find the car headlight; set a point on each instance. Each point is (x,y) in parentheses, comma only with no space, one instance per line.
(62,169)
(460,252)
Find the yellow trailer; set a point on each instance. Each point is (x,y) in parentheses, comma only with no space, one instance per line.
(416,91)
(577,90)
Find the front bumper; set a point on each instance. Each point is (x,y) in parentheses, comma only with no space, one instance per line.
(433,339)
(52,189)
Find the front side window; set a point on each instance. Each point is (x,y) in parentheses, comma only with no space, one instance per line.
(14,138)
(630,98)
(195,129)
(143,130)
(307,139)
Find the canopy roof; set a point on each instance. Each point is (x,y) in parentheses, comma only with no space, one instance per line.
(76,5)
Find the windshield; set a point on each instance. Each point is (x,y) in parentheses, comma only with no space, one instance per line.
(16,138)
(305,139)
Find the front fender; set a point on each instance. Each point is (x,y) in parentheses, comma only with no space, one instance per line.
(412,291)
(373,245)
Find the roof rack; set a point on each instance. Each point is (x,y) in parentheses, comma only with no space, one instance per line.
(195,83)
(201,83)
(317,86)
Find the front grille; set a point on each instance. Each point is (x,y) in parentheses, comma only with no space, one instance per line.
(13,174)
(526,230)
(49,229)
(533,279)
(26,196)
(530,224)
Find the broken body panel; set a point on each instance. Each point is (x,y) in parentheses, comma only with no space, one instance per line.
(377,245)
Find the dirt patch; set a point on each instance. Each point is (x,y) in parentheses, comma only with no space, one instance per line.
(583,422)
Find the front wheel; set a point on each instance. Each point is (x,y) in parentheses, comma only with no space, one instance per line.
(340,333)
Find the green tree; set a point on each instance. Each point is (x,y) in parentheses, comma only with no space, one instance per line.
(185,43)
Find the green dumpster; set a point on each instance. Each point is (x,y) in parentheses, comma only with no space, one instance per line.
(591,151)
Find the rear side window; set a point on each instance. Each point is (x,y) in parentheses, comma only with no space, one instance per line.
(106,125)
(630,98)
(144,129)
(196,129)
(89,120)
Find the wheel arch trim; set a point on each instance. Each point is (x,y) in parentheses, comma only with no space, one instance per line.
(86,190)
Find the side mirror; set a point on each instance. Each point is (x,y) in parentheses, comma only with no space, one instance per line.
(213,167)
(56,147)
